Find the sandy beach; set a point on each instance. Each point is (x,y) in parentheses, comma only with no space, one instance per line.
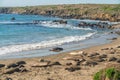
(75,65)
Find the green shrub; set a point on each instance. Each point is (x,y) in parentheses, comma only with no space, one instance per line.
(97,76)
(110,73)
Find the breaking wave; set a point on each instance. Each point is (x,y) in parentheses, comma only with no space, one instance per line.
(43,44)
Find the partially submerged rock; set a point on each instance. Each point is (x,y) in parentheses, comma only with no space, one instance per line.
(61,21)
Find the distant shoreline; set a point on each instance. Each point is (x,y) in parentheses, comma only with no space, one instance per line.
(106,12)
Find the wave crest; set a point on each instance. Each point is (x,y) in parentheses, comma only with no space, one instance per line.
(43,44)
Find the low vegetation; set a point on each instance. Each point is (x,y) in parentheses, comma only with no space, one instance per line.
(77,11)
(107,74)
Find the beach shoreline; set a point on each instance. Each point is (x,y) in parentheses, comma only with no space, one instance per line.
(37,69)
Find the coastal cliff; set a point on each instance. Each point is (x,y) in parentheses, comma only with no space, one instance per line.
(76,11)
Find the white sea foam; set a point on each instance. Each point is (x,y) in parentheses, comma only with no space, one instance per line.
(57,25)
(11,22)
(43,44)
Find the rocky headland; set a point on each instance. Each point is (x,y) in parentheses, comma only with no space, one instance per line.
(109,12)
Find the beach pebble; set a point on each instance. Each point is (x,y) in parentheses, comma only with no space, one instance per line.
(112,59)
(2,65)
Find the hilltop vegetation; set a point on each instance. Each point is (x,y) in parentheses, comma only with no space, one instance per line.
(77,11)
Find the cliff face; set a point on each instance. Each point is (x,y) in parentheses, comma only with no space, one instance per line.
(80,11)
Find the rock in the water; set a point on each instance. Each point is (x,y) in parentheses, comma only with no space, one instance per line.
(112,59)
(72,69)
(60,21)
(57,49)
(2,65)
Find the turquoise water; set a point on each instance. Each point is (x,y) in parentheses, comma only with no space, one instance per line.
(21,35)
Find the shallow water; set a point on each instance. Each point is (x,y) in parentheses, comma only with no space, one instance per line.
(20,38)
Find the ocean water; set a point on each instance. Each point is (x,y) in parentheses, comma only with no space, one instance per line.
(21,36)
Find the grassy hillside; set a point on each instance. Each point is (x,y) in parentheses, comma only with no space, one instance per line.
(78,11)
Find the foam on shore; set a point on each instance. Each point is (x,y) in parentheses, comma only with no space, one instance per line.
(43,44)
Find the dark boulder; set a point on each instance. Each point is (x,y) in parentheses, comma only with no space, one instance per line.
(60,21)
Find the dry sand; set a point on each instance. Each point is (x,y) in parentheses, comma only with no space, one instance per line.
(75,65)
